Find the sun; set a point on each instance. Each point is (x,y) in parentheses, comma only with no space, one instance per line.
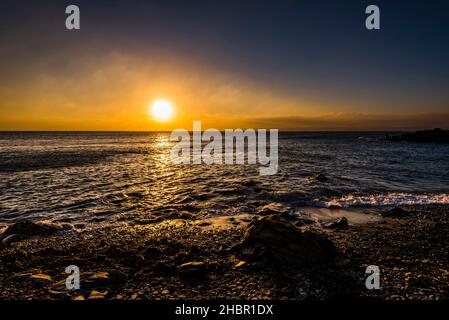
(161,110)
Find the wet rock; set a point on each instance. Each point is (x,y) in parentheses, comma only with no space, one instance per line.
(192,268)
(341,223)
(280,241)
(303,222)
(240,264)
(317,177)
(59,294)
(272,208)
(396,213)
(25,228)
(10,239)
(248,183)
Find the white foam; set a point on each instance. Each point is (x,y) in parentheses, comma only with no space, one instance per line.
(390,199)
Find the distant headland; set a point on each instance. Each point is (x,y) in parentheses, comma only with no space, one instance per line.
(436,135)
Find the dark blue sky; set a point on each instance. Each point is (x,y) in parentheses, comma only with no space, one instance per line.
(315,49)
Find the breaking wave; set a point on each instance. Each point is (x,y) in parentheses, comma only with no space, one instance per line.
(390,199)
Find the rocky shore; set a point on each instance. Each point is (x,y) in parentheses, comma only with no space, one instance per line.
(270,255)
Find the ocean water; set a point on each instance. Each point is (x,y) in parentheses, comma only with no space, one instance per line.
(106,178)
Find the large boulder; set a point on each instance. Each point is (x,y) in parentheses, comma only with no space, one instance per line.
(25,229)
(396,212)
(278,240)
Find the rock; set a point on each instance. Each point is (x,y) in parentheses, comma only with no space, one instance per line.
(59,294)
(417,280)
(272,208)
(104,279)
(40,279)
(396,213)
(302,222)
(152,252)
(59,286)
(19,277)
(97,295)
(134,296)
(25,228)
(428,136)
(240,264)
(10,239)
(341,223)
(317,177)
(192,268)
(280,241)
(79,298)
(116,276)
(165,291)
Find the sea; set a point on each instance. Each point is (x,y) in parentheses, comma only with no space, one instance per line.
(104,178)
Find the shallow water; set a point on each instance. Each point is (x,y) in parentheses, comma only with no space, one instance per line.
(104,178)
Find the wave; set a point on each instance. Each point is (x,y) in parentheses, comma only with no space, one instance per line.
(390,199)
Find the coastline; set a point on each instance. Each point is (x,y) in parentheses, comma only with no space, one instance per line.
(144,262)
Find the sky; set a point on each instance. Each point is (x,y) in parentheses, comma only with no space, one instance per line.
(292,65)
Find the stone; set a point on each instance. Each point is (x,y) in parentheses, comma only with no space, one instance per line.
(270,209)
(317,177)
(302,222)
(279,241)
(191,268)
(240,264)
(152,252)
(396,213)
(59,294)
(341,223)
(104,279)
(29,228)
(40,279)
(10,239)
(97,295)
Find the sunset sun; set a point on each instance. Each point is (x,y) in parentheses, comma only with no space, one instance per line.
(161,110)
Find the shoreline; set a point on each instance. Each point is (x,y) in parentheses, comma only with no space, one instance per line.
(193,259)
